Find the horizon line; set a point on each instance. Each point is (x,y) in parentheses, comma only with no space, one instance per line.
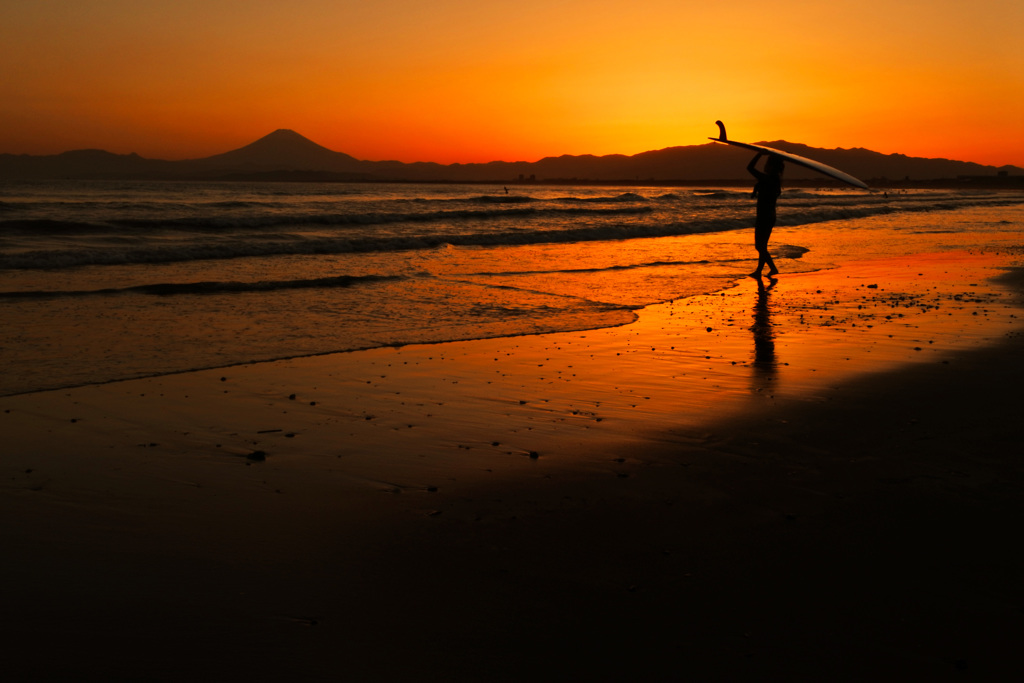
(493,161)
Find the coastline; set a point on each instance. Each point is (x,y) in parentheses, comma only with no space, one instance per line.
(763,484)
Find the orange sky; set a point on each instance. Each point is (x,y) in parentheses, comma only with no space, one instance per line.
(464,80)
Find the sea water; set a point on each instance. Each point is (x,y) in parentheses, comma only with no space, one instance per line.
(104,281)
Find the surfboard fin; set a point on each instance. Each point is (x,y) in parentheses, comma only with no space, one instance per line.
(721,131)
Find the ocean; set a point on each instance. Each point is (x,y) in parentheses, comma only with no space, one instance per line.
(107,280)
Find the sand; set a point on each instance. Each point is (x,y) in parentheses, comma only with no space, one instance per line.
(820,480)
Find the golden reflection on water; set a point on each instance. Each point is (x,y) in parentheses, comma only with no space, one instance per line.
(517,404)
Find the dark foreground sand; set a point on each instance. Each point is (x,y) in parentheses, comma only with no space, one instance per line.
(819,482)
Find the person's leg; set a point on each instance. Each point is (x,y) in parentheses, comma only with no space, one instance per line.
(760,265)
(772,270)
(761,245)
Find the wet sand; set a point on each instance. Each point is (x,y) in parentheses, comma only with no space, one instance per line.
(818,480)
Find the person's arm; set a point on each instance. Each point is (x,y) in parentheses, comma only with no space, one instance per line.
(753,163)
(751,168)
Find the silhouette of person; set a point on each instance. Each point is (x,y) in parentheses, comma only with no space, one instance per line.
(767,190)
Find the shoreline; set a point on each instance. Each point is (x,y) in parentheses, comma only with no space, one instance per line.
(150,334)
(755,484)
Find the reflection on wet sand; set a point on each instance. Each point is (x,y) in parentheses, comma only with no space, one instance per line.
(765,365)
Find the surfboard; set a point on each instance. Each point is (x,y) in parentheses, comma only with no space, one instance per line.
(795,158)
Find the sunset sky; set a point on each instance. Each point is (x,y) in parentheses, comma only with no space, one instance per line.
(465,80)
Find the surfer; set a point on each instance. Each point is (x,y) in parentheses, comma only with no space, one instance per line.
(767,190)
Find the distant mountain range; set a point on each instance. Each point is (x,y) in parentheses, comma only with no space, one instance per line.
(286,155)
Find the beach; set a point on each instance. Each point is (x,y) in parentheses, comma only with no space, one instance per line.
(430,342)
(816,479)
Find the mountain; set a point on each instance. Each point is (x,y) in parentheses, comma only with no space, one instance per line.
(287,155)
(282,150)
(82,163)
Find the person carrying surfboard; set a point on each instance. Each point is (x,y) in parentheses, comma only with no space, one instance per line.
(769,187)
(767,190)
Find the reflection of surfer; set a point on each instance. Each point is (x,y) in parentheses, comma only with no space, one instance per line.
(767,190)
(765,364)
